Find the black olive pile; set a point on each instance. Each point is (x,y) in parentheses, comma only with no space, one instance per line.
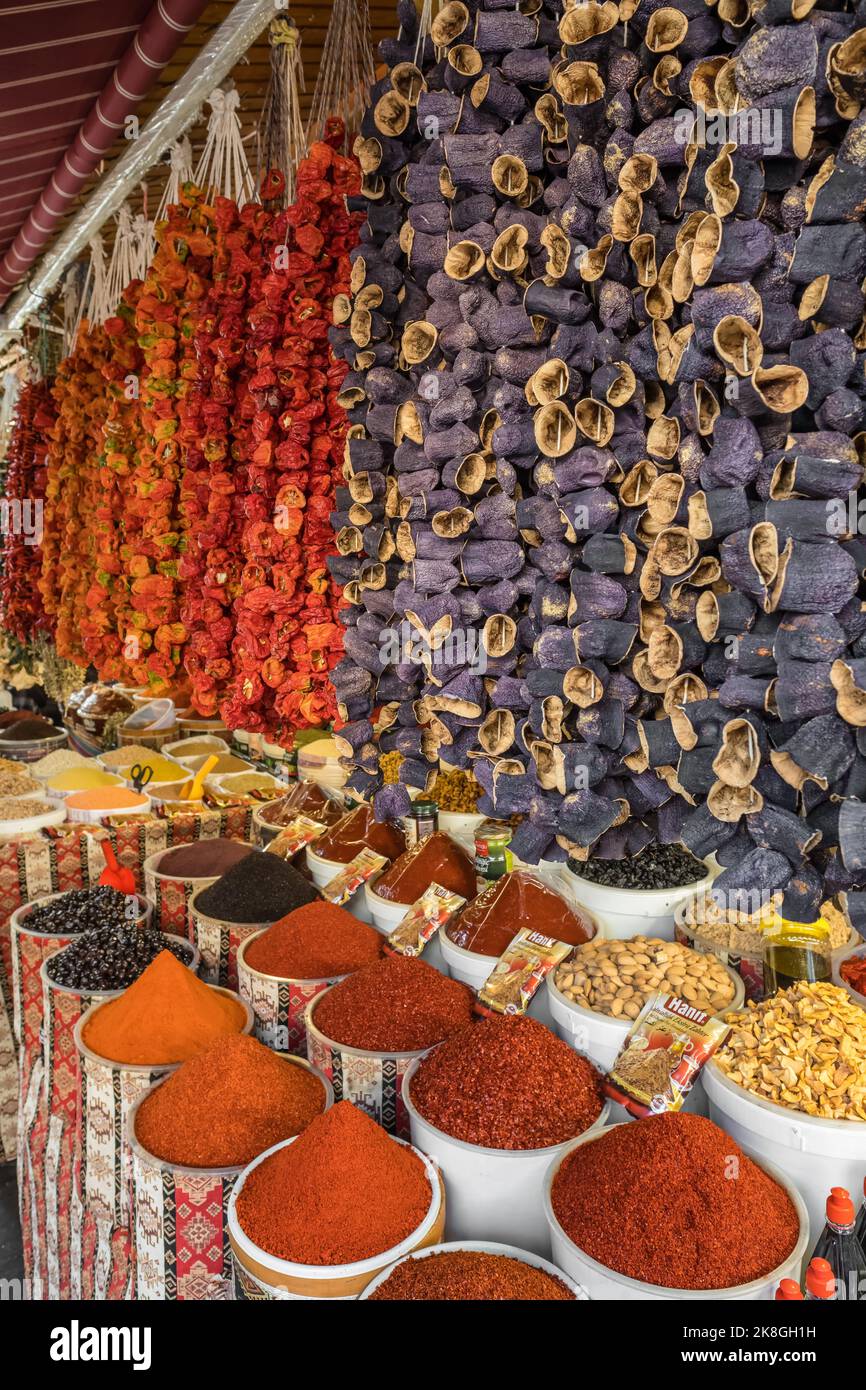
(84,909)
(111,957)
(658,866)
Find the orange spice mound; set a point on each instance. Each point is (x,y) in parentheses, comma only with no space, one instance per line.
(167,1015)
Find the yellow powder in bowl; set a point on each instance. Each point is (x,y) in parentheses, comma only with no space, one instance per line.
(106,799)
(79,779)
(196,748)
(226,762)
(163,769)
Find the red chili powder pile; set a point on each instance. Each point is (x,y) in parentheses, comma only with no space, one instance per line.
(518,899)
(359,830)
(399,1004)
(435,859)
(507,1083)
(672,1200)
(222,1108)
(313,943)
(343,1191)
(457,1275)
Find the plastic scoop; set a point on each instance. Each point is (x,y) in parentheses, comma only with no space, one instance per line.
(191,791)
(114,875)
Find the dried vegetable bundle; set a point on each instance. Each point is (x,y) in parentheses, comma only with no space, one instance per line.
(606,393)
(21,611)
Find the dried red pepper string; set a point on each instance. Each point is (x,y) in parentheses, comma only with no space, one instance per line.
(21,608)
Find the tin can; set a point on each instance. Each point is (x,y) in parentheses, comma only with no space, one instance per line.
(493,858)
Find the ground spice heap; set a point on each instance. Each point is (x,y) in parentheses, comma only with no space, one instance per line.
(259,888)
(470,1275)
(488,925)
(203,858)
(399,1004)
(507,1083)
(853,972)
(24,730)
(356,831)
(225,1106)
(315,942)
(435,859)
(343,1191)
(167,1015)
(672,1201)
(305,799)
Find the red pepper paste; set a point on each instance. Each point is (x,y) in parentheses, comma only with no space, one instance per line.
(519,899)
(458,1275)
(356,831)
(315,942)
(222,1108)
(343,1191)
(507,1083)
(673,1201)
(305,799)
(436,859)
(400,1004)
(853,972)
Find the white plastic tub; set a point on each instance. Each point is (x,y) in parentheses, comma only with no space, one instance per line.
(625,912)
(285,1279)
(385,916)
(473,969)
(461,826)
(487,1247)
(493,1194)
(816,1154)
(599,1035)
(323,870)
(839,957)
(604,1283)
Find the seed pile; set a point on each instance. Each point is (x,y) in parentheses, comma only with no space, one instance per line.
(203,858)
(316,942)
(13,809)
(657,866)
(804,1048)
(343,1191)
(83,909)
(507,1083)
(604,339)
(127,755)
(17,783)
(397,1004)
(464,1275)
(222,1108)
(655,1201)
(58,761)
(618,977)
(111,957)
(259,888)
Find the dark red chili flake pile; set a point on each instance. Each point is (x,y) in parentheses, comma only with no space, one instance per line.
(470,1275)
(672,1200)
(399,1004)
(507,1083)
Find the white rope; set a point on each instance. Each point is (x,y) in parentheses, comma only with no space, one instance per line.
(93,293)
(179,172)
(223,167)
(347,70)
(122,266)
(426,19)
(282,137)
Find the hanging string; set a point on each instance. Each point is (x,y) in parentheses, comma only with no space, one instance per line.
(424,22)
(347,70)
(72,297)
(179,172)
(123,265)
(93,292)
(282,140)
(223,167)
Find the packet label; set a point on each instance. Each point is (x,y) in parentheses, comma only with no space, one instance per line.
(297,834)
(662,1056)
(435,907)
(350,879)
(520,970)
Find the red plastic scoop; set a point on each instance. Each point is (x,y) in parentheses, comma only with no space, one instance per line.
(114,875)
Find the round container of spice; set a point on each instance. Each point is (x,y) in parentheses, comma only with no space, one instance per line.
(514,1082)
(850,966)
(342,842)
(264,1275)
(304,799)
(170,889)
(435,859)
(23,749)
(387,1287)
(602,1282)
(174,1203)
(624,912)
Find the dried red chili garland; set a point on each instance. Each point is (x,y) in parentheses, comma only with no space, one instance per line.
(21,609)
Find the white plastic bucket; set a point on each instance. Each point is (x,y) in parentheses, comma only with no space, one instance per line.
(285,1279)
(486,1247)
(625,912)
(839,957)
(493,1194)
(600,1036)
(385,916)
(473,969)
(816,1154)
(604,1283)
(323,870)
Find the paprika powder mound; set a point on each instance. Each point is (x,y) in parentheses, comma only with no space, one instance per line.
(166,1016)
(398,1004)
(507,1083)
(435,859)
(673,1201)
(228,1104)
(469,1275)
(343,1191)
(356,831)
(315,942)
(518,899)
(305,799)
